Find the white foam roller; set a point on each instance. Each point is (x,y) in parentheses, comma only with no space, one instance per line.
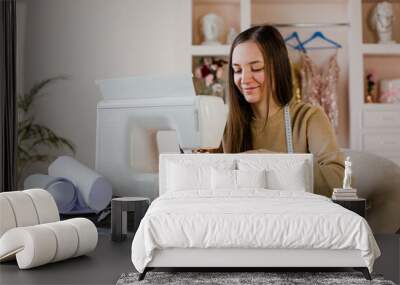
(67,240)
(33,246)
(39,181)
(95,189)
(7,218)
(45,205)
(62,190)
(87,235)
(22,205)
(64,194)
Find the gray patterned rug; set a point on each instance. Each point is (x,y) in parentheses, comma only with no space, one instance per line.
(270,278)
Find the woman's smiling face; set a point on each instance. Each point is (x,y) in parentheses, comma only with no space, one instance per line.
(248,69)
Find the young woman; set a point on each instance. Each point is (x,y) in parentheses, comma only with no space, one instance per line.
(264,118)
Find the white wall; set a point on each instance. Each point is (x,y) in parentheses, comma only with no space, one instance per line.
(97,39)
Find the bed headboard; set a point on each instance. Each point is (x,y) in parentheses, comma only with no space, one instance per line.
(213,159)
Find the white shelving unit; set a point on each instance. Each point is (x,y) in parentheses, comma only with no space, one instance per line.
(243,22)
(368,126)
(236,13)
(381,49)
(376,126)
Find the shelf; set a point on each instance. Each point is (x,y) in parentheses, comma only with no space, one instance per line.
(381,49)
(381,106)
(289,11)
(213,2)
(299,2)
(228,10)
(199,50)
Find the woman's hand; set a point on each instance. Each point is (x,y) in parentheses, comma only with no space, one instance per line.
(206,150)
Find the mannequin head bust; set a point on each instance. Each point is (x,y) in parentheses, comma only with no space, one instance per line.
(212,28)
(382,20)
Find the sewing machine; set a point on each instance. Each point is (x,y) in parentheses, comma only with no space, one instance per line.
(141,117)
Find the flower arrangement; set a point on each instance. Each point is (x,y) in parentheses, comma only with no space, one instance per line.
(209,77)
(371,88)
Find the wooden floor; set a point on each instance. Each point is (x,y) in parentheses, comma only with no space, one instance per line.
(111,259)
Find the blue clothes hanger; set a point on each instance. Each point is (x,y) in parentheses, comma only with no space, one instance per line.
(299,45)
(319,35)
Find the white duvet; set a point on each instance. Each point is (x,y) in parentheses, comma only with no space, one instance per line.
(252,218)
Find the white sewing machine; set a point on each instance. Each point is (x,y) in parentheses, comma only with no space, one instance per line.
(141,117)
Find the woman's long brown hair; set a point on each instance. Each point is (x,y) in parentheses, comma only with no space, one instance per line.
(237,136)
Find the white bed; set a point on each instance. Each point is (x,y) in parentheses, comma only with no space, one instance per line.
(202,220)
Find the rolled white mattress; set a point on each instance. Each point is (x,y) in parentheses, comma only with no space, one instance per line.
(94,188)
(62,190)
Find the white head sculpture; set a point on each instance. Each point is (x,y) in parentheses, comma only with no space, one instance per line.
(212,27)
(382,20)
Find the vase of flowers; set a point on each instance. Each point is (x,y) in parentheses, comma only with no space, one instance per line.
(371,90)
(209,77)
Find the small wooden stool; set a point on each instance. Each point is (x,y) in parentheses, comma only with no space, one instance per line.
(119,209)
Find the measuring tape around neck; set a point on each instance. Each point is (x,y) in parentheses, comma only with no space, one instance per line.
(288,130)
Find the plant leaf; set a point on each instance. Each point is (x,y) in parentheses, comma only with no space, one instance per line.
(32,135)
(47,137)
(25,101)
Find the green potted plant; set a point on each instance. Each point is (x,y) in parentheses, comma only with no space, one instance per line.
(32,138)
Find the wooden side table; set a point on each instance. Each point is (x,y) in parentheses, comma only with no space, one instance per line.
(119,209)
(358,206)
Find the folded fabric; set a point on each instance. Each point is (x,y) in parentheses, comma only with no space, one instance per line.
(62,190)
(96,191)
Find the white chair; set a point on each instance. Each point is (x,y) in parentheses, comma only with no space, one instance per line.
(31,230)
(377,179)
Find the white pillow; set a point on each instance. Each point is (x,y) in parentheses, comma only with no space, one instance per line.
(280,174)
(291,179)
(223,179)
(251,178)
(236,179)
(183,177)
(188,174)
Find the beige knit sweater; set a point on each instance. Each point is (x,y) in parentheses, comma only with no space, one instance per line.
(311,133)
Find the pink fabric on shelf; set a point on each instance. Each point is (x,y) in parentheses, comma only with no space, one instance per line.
(319,86)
